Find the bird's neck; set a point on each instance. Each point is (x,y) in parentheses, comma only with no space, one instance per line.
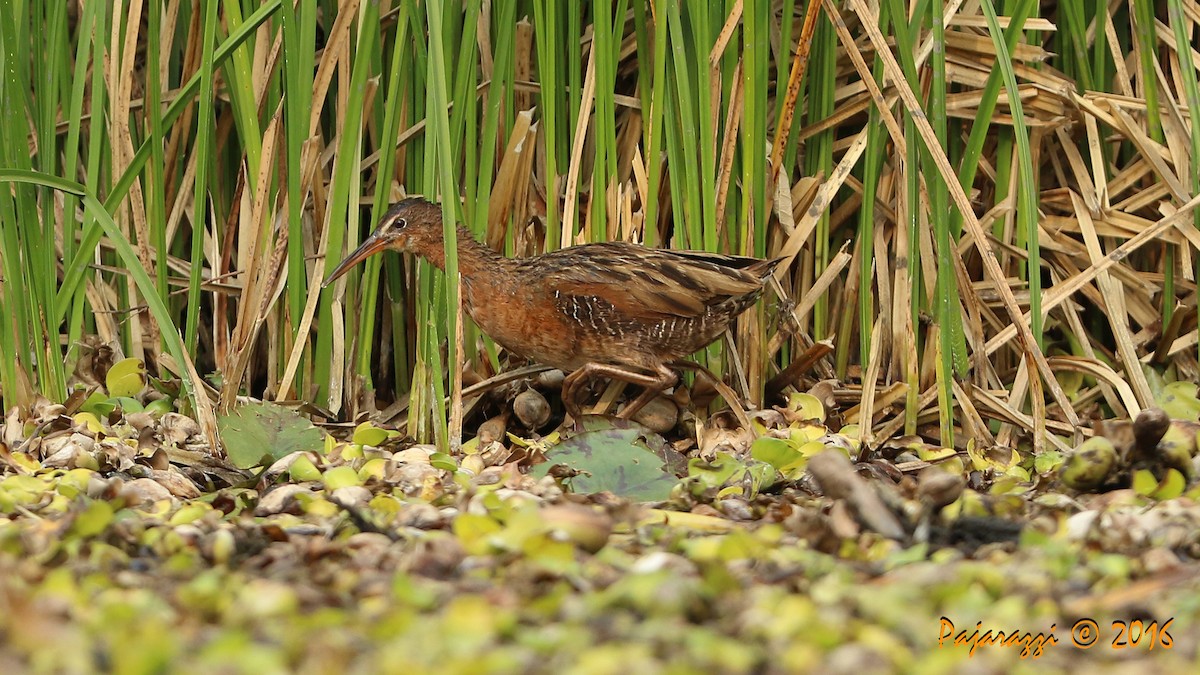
(474,259)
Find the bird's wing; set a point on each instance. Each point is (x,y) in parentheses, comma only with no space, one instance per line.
(655,283)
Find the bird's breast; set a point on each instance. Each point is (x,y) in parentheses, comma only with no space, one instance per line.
(521,319)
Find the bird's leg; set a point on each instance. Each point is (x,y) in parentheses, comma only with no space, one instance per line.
(569,394)
(654,385)
(662,378)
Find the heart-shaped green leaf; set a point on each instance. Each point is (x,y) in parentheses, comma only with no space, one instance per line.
(260,433)
(631,462)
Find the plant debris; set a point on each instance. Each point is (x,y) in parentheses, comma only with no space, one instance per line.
(122,537)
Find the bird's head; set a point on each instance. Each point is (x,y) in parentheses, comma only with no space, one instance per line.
(409,225)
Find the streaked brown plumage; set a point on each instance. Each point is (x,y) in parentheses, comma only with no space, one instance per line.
(613,309)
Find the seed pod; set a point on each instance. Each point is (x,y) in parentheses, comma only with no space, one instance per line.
(660,415)
(550,380)
(1090,465)
(493,430)
(532,409)
(587,527)
(1174,454)
(1148,429)
(939,489)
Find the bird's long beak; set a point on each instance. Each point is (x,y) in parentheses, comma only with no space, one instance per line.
(371,246)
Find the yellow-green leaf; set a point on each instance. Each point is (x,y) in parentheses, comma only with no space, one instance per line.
(126,378)
(369,434)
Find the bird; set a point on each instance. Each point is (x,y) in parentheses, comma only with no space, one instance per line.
(608,309)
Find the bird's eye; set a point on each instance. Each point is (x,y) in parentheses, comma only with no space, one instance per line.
(393,225)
